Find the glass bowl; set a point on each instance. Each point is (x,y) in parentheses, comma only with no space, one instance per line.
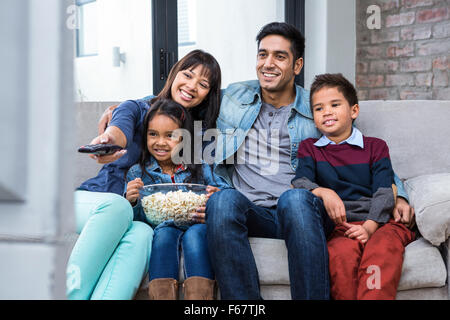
(176,201)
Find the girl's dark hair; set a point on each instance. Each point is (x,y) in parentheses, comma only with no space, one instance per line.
(183,118)
(208,110)
(334,80)
(289,32)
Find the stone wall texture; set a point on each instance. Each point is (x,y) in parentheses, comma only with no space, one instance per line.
(408,56)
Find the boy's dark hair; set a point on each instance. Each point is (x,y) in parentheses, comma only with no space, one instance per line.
(289,32)
(334,80)
(184,119)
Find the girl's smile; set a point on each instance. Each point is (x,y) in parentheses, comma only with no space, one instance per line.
(160,138)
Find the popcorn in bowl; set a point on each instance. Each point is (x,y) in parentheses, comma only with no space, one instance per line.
(176,201)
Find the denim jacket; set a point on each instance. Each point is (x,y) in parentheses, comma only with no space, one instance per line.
(157,176)
(240,107)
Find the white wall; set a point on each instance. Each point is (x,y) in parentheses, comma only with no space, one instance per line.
(330,30)
(34,232)
(227,29)
(126,24)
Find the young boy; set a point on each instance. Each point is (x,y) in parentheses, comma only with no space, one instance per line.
(352,175)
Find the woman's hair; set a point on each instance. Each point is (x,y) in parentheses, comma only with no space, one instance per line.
(208,110)
(183,118)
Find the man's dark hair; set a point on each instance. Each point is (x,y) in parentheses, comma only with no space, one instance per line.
(334,80)
(289,32)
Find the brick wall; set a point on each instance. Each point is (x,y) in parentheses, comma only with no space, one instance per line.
(408,57)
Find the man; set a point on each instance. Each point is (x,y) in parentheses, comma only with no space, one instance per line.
(259,112)
(273,113)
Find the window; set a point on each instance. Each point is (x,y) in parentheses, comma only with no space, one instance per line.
(186,23)
(87,28)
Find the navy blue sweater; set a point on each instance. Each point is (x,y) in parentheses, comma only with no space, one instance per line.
(362,177)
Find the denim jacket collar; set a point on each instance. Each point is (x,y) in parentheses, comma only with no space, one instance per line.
(153,166)
(301,103)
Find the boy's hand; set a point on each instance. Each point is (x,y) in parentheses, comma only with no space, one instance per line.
(361,232)
(332,203)
(357,232)
(133,190)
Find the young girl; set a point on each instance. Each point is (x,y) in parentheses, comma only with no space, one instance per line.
(157,165)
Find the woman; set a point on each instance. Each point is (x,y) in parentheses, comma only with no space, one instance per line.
(111,255)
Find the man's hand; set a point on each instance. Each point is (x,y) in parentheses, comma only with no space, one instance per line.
(404,213)
(105,119)
(332,203)
(133,190)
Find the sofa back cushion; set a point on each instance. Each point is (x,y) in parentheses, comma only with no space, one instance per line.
(417,133)
(87,116)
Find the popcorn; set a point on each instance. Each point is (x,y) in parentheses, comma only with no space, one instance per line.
(176,205)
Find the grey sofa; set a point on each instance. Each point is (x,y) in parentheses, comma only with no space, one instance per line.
(417,133)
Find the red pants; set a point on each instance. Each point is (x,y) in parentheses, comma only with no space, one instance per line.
(369,271)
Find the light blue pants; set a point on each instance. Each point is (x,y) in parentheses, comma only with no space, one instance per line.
(111,255)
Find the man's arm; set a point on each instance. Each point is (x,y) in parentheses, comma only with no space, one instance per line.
(105,119)
(120,130)
(403,212)
(107,115)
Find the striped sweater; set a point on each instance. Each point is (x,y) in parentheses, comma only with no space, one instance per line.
(362,177)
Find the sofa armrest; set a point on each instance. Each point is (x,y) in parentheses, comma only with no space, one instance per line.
(430,197)
(445,250)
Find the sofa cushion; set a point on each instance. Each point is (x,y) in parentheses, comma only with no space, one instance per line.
(271,260)
(430,197)
(423,267)
(414,132)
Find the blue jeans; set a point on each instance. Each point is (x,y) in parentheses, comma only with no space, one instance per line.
(165,256)
(299,218)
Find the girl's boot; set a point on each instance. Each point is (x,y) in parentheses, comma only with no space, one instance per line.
(198,288)
(163,289)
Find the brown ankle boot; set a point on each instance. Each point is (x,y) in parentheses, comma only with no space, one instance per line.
(163,289)
(198,288)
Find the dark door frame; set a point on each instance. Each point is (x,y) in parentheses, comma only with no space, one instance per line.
(165,36)
(165,40)
(295,15)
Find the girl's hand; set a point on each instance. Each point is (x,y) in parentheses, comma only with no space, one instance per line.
(211,190)
(133,190)
(332,203)
(199,216)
